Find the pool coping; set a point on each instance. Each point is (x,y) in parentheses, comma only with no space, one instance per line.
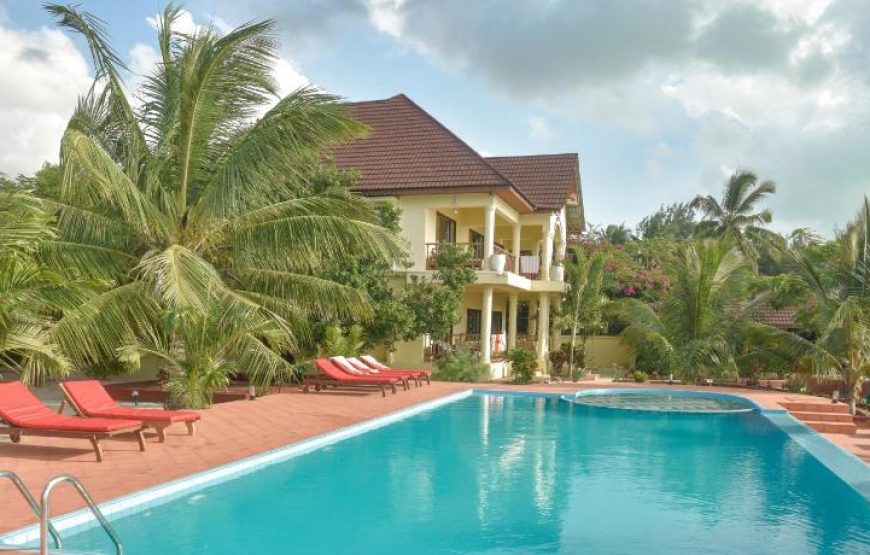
(848,467)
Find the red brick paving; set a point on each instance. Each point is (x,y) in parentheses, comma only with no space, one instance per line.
(231,431)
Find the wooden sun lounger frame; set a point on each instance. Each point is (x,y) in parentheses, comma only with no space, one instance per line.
(15,433)
(159,427)
(321,382)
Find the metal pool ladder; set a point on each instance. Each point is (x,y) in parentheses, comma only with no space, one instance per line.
(42,509)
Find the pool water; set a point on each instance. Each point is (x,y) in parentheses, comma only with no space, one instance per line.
(519,474)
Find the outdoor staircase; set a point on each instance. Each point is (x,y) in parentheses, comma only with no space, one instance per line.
(827,417)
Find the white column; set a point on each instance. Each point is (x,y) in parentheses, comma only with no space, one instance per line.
(513,307)
(543,329)
(515,247)
(547,256)
(563,234)
(488,231)
(486,326)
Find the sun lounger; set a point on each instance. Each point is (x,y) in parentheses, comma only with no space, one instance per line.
(417,375)
(373,363)
(22,414)
(90,398)
(359,369)
(330,375)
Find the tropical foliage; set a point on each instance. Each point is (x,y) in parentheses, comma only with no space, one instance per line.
(696,328)
(737,216)
(30,294)
(461,366)
(203,206)
(837,307)
(581,311)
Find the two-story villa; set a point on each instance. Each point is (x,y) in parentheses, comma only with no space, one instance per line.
(512,212)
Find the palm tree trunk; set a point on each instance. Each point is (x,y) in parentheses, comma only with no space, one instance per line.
(571,353)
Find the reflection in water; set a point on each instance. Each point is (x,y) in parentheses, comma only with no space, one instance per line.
(525,475)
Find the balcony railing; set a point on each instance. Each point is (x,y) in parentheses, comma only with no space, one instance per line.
(477,260)
(476,249)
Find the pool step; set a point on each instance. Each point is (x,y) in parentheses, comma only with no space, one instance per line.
(833,427)
(822,416)
(835,408)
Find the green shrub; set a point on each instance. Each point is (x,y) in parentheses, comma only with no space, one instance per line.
(639,376)
(524,362)
(461,366)
(576,374)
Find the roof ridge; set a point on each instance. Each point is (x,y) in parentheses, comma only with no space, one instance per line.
(458,139)
(549,154)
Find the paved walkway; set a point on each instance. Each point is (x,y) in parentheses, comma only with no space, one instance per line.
(231,431)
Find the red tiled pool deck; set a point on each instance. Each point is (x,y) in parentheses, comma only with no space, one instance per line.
(231,431)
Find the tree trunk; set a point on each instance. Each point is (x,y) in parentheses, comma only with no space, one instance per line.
(853,392)
(571,352)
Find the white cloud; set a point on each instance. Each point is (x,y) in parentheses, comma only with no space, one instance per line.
(43,75)
(540,127)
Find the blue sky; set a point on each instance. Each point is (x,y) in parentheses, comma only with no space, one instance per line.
(661,102)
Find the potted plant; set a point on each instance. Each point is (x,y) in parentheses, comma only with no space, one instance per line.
(497,263)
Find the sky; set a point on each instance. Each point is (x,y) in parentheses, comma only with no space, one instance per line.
(662,100)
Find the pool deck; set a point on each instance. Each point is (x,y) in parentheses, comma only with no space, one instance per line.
(232,431)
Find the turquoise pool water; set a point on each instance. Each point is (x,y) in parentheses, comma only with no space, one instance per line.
(514,474)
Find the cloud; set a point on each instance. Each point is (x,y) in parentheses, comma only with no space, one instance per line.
(540,127)
(43,75)
(779,86)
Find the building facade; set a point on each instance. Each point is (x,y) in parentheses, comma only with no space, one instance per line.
(512,213)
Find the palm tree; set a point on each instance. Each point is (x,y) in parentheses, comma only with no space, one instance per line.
(838,308)
(583,303)
(695,328)
(191,200)
(30,294)
(737,216)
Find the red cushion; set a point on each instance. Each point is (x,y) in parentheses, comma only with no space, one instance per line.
(20,408)
(92,398)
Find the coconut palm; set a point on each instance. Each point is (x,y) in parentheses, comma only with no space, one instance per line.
(737,216)
(695,327)
(582,306)
(838,308)
(30,295)
(191,200)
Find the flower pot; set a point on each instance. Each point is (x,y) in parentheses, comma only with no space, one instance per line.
(557,273)
(497,263)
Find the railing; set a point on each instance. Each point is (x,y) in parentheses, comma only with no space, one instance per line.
(34,506)
(45,513)
(526,342)
(530,266)
(511,264)
(433,249)
(471,342)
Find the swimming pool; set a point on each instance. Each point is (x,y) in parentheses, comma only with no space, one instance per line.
(500,473)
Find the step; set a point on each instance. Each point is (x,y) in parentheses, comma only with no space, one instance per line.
(823,416)
(833,427)
(838,408)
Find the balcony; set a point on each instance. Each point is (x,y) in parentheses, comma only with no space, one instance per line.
(477,259)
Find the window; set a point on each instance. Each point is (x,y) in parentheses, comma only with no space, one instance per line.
(445,229)
(523,318)
(472,321)
(497,322)
(474,237)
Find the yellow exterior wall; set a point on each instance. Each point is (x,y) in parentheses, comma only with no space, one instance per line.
(604,353)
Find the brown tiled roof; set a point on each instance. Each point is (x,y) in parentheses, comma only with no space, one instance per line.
(545,179)
(409,150)
(782,318)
